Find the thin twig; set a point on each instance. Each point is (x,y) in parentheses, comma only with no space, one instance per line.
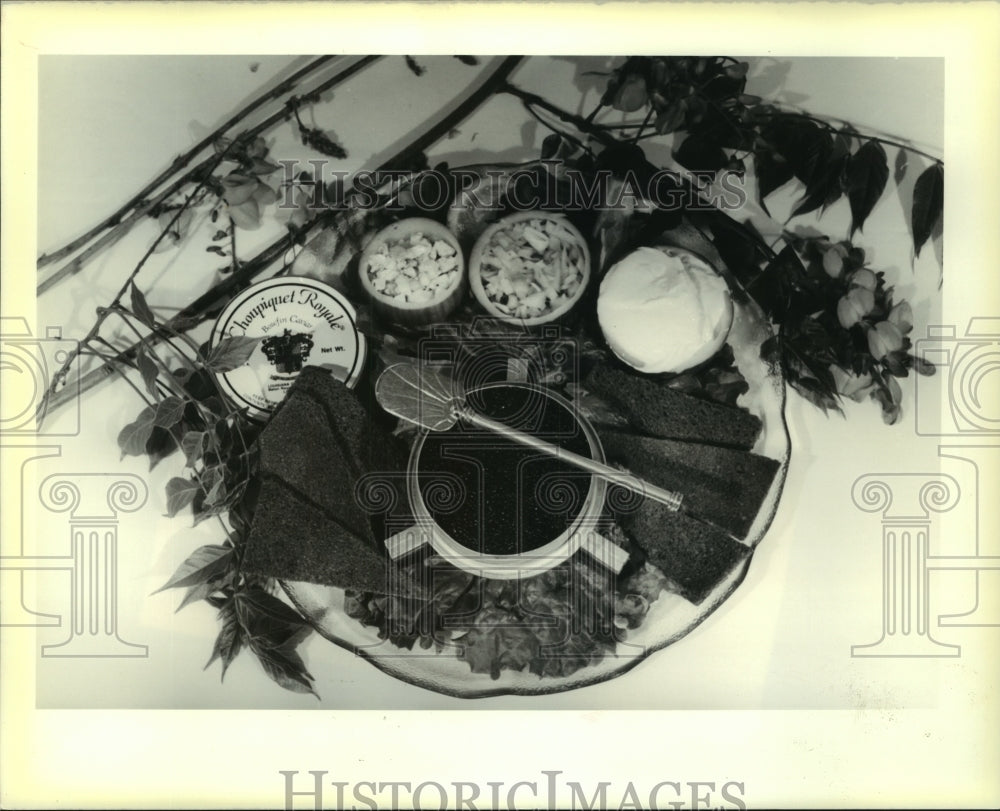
(104,312)
(75,265)
(830,128)
(181,161)
(645,121)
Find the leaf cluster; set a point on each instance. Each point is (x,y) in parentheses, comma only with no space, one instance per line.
(722,127)
(550,625)
(187,412)
(839,332)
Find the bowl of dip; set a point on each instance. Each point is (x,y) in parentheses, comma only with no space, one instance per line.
(496,508)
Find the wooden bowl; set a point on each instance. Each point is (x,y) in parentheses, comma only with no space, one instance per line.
(396,308)
(486,241)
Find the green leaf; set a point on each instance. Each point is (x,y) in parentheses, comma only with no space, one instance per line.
(824,188)
(216,493)
(267,618)
(140,308)
(160,445)
(815,393)
(180,493)
(205,563)
(133,437)
(772,173)
(209,512)
(867,175)
(814,155)
(192,444)
(928,201)
(169,412)
(274,630)
(231,637)
(700,155)
(286,668)
(231,353)
(195,593)
(795,139)
(149,371)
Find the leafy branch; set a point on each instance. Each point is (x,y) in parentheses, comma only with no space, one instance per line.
(704,101)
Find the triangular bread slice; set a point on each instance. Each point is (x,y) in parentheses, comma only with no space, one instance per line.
(655,408)
(722,485)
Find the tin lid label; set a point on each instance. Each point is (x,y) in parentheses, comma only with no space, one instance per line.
(302,323)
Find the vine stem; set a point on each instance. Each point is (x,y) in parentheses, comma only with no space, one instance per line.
(600,134)
(181,161)
(645,123)
(205,166)
(582,124)
(197,311)
(104,312)
(878,139)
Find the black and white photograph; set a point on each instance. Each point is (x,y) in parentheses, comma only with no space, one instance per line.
(569,422)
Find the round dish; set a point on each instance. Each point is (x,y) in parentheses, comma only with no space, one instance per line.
(512,284)
(413,271)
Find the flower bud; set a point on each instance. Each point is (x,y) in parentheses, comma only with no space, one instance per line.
(851,385)
(631,95)
(238,188)
(902,316)
(854,306)
(864,278)
(833,260)
(883,339)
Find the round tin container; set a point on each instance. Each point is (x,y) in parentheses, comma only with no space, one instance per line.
(301,322)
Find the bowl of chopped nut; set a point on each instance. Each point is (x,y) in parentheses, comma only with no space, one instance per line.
(413,271)
(530,267)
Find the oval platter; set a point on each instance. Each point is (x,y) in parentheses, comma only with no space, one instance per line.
(670,616)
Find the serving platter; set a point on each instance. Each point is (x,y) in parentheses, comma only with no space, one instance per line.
(670,616)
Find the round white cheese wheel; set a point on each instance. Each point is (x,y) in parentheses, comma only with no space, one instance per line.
(664,310)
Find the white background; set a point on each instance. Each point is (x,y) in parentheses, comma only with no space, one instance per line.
(780,647)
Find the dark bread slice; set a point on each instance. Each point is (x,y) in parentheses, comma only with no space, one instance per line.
(294,538)
(723,485)
(309,524)
(654,408)
(693,555)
